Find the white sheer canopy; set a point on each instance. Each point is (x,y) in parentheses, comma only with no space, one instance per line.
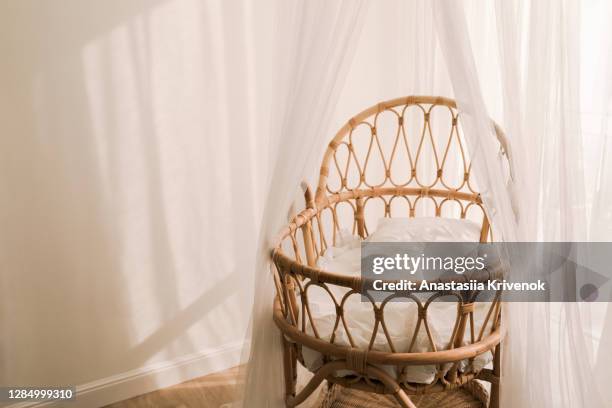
(315,41)
(523,63)
(538,59)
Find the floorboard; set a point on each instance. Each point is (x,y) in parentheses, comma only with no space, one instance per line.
(209,391)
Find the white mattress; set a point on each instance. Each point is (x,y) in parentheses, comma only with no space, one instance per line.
(400,317)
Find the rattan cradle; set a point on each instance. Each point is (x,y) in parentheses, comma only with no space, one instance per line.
(313,230)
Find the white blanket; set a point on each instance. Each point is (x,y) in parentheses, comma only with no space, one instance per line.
(400,317)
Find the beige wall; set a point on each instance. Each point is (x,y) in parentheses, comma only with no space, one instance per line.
(128,216)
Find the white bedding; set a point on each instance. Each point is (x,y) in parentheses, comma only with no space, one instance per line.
(401,317)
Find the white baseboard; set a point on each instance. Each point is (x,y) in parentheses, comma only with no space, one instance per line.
(146,379)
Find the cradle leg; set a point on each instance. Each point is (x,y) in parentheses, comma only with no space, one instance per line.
(494,402)
(290,366)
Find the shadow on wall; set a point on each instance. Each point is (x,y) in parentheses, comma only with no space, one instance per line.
(122,192)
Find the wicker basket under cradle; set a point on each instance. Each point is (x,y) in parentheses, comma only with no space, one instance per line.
(419,137)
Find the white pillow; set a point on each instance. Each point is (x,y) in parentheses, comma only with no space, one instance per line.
(425,229)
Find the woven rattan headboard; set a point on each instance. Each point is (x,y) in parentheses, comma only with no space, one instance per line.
(445,143)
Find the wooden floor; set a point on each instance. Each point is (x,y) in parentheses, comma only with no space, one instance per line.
(210,391)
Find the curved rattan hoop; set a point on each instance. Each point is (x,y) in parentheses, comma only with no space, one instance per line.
(304,240)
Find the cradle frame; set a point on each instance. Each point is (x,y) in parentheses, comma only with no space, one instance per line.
(291,272)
